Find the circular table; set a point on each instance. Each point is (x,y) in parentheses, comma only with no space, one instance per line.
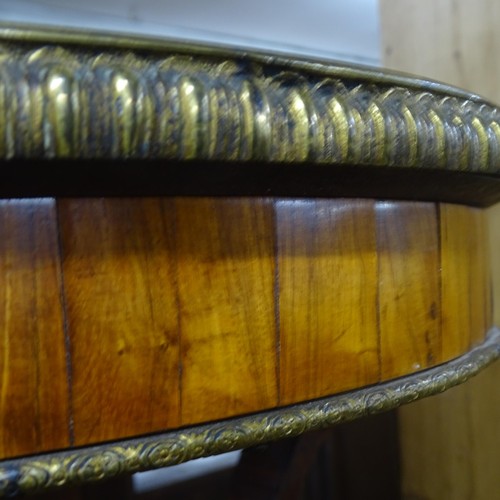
(204,249)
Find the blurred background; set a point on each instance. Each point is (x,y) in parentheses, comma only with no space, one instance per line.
(450,444)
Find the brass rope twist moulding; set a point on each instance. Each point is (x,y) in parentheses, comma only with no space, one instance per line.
(81,102)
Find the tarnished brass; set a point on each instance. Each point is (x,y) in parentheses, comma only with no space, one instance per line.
(79,95)
(95,463)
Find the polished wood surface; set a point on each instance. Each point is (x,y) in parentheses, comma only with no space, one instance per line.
(122,316)
(327,261)
(410,305)
(463,262)
(34,380)
(186,310)
(225,259)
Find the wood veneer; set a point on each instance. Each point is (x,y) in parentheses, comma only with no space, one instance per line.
(168,312)
(34,396)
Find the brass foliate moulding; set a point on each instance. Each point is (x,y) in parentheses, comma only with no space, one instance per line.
(95,463)
(95,96)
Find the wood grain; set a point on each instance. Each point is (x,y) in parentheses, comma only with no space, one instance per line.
(465,291)
(226,298)
(450,442)
(493,225)
(451,41)
(33,383)
(328,290)
(186,310)
(444,451)
(119,269)
(409,287)
(481,288)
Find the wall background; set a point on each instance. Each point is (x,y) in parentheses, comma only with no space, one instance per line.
(342,29)
(451,443)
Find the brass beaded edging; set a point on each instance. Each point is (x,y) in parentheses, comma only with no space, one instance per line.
(74,98)
(95,463)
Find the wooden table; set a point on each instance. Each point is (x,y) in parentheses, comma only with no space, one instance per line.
(205,249)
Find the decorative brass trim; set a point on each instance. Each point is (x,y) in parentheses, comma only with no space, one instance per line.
(108,460)
(41,35)
(65,95)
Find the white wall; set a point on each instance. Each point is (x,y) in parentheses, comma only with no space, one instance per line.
(338,29)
